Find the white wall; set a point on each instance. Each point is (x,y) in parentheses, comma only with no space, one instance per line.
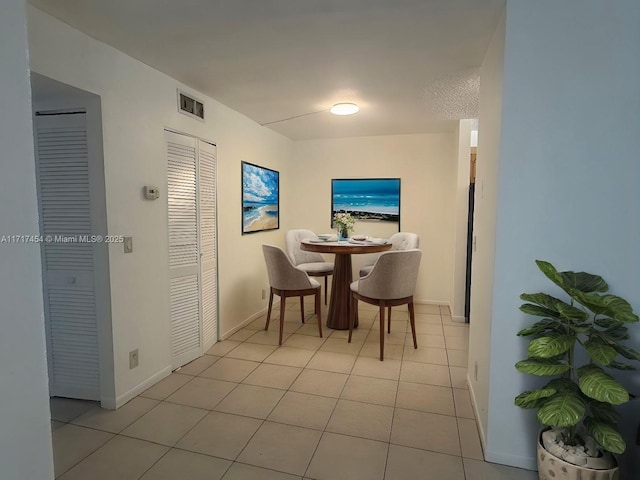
(567,181)
(25,429)
(461,219)
(138,102)
(484,221)
(426,165)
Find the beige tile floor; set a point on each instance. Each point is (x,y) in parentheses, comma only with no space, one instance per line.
(314,408)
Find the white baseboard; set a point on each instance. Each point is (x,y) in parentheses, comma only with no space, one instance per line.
(114,403)
(120,400)
(528,463)
(276,303)
(476,413)
(247,321)
(422,301)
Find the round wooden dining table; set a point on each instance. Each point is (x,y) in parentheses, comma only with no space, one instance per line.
(340,303)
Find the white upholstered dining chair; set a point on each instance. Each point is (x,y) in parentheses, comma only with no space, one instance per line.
(399,241)
(392,281)
(312,263)
(286,280)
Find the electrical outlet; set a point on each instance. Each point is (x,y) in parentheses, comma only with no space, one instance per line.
(133,359)
(264,294)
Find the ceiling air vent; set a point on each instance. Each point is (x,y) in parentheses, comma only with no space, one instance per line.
(190,105)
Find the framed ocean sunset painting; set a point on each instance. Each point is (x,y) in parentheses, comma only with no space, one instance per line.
(367,199)
(260,198)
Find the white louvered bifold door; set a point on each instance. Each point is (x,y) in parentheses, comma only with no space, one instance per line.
(184,265)
(65,215)
(208,262)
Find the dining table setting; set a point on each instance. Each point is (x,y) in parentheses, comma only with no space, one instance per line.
(340,302)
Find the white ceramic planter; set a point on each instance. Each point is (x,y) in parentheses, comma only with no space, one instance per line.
(551,467)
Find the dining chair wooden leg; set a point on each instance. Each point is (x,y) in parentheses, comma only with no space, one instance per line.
(326,277)
(382,330)
(389,319)
(412,320)
(283,300)
(302,308)
(319,311)
(352,316)
(266,327)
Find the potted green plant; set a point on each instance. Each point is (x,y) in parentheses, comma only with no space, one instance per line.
(576,407)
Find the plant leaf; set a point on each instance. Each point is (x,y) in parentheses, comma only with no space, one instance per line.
(606,322)
(533,398)
(606,338)
(542,367)
(619,332)
(621,366)
(562,410)
(596,384)
(554,307)
(581,328)
(562,385)
(610,305)
(550,272)
(606,435)
(550,346)
(536,328)
(572,313)
(584,282)
(581,286)
(568,281)
(537,310)
(627,352)
(604,412)
(600,352)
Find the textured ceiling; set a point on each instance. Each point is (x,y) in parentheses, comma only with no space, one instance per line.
(411,65)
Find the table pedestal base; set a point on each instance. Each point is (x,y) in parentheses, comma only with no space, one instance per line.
(338,314)
(340,304)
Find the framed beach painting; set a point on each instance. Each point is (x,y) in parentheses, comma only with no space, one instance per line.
(367,199)
(260,198)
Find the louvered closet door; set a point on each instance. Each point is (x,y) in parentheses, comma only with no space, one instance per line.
(69,297)
(208,261)
(184,265)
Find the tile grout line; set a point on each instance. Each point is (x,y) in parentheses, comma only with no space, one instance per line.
(208,410)
(114,435)
(455,408)
(395,403)
(272,409)
(315,450)
(240,383)
(315,351)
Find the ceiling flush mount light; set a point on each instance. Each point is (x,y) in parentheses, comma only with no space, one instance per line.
(344,109)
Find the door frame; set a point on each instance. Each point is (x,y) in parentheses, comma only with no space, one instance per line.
(91,104)
(203,347)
